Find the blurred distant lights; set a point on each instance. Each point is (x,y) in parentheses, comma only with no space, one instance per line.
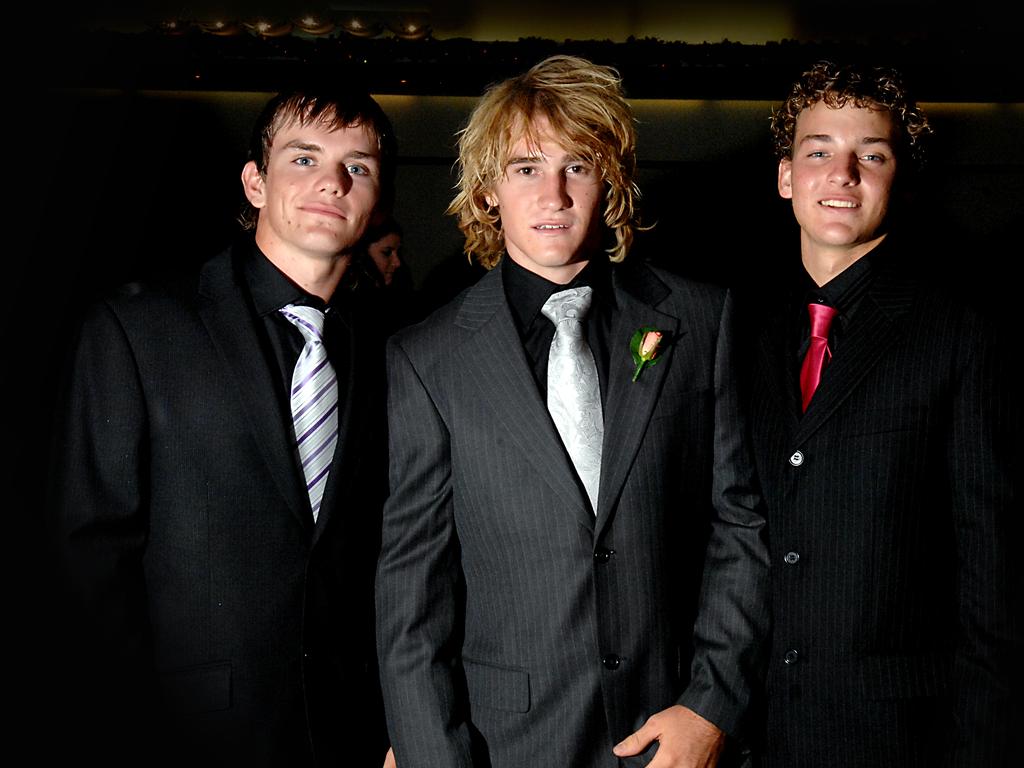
(360,27)
(411,29)
(173,27)
(311,24)
(314,25)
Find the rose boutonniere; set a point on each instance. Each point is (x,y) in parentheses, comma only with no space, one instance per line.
(645,346)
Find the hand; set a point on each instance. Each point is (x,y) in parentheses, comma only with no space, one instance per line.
(685,740)
(389,759)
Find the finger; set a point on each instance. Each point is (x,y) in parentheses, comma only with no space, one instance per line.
(389,759)
(635,743)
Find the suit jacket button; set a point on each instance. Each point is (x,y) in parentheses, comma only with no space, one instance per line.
(790,657)
(792,557)
(611,661)
(796,459)
(603,555)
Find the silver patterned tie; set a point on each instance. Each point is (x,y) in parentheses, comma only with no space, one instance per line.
(314,401)
(574,391)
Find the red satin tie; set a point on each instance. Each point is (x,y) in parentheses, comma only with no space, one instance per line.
(818,353)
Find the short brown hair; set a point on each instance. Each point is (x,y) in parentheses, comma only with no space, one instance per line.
(585,106)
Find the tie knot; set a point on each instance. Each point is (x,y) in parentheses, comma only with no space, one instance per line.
(309,320)
(570,304)
(821,319)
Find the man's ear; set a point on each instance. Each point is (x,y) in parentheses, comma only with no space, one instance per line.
(491,202)
(786,178)
(254,185)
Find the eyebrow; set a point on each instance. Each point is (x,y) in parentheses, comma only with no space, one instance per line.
(305,146)
(527,159)
(566,158)
(827,139)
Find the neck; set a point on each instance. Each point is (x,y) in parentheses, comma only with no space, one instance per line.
(316,276)
(825,263)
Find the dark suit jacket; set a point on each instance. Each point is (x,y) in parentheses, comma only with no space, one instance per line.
(217,621)
(888,506)
(514,628)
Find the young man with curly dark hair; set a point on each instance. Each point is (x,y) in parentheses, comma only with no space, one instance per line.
(887,443)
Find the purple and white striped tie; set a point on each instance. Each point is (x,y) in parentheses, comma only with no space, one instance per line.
(314,400)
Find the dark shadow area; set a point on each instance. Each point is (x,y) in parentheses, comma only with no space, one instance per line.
(123,188)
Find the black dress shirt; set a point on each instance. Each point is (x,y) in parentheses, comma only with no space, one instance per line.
(271,290)
(526,293)
(843,292)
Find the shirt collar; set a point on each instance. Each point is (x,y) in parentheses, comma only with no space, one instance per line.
(272,289)
(845,289)
(527,291)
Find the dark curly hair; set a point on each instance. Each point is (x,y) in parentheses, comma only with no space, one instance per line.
(862,86)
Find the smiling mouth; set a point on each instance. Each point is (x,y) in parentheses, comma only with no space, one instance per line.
(838,204)
(551,227)
(334,212)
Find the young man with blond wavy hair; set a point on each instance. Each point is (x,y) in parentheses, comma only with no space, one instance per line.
(589,595)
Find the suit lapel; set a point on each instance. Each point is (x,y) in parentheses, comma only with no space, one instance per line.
(494,362)
(229,321)
(629,404)
(876,329)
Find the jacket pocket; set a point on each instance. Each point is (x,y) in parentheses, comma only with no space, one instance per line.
(203,688)
(498,687)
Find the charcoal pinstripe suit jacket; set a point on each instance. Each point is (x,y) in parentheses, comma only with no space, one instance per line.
(515,628)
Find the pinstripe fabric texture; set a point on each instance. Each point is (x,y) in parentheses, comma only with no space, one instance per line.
(889,503)
(515,627)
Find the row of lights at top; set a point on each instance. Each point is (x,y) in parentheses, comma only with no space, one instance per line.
(405,28)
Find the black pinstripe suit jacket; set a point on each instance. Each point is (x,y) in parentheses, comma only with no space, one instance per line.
(888,506)
(514,628)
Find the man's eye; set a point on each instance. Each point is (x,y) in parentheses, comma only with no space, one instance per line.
(358,170)
(303,160)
